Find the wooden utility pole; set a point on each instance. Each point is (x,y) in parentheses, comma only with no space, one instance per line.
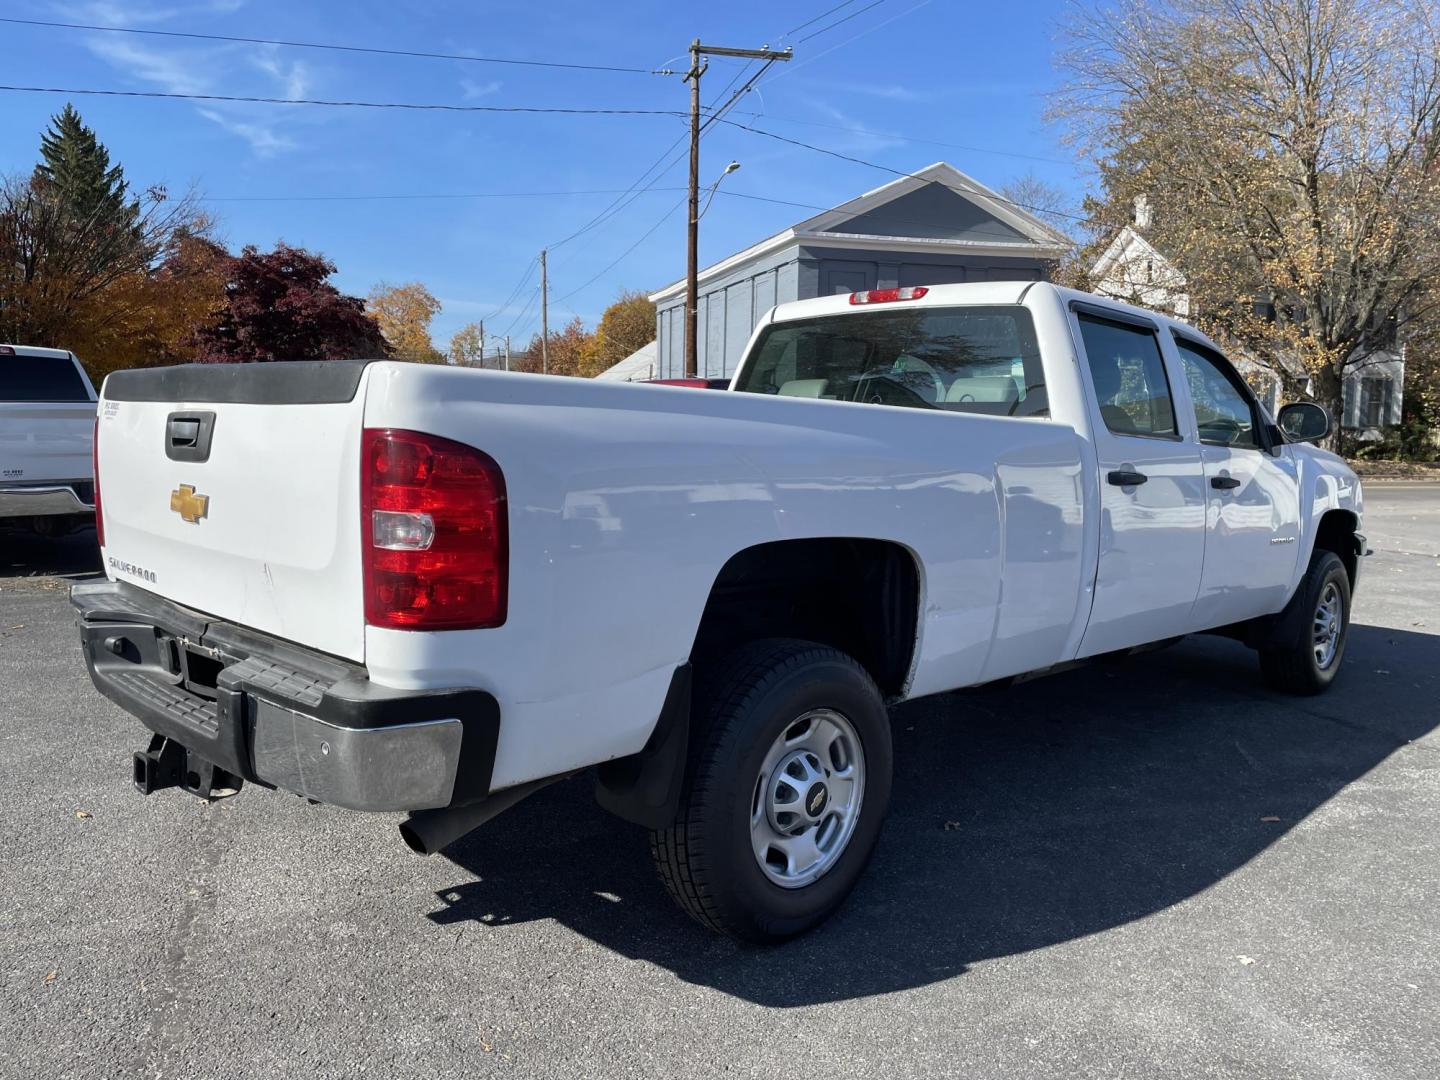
(507,352)
(544,317)
(692,238)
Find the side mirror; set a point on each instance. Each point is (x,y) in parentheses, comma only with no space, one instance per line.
(1303,421)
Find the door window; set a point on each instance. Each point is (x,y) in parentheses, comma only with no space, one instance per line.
(1129,376)
(1224,414)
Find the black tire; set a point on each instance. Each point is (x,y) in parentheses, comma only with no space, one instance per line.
(1289,661)
(743,705)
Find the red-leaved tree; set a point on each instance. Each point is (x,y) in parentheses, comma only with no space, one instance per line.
(280,305)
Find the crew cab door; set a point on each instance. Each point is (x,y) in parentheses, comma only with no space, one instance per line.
(1152,486)
(1252,518)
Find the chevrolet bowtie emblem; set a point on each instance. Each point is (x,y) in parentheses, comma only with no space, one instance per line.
(188,505)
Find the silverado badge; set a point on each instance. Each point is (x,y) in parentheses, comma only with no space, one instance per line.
(188,505)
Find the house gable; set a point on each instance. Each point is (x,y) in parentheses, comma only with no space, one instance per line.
(932,212)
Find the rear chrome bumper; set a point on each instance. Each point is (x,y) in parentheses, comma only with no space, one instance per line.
(272,712)
(46,500)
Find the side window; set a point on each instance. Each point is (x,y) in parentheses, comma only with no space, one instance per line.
(1129,376)
(1224,414)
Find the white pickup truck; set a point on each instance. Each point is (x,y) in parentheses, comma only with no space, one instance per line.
(47,421)
(394,586)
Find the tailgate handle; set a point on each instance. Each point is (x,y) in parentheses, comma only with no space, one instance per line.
(184,432)
(187,435)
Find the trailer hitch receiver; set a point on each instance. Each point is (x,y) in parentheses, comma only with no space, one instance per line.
(167,764)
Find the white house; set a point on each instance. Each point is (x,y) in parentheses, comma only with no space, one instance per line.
(1133,270)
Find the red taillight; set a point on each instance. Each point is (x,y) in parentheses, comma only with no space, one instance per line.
(95,477)
(433,533)
(885,296)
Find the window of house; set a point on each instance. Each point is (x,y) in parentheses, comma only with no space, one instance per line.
(1224,413)
(1129,377)
(1374,393)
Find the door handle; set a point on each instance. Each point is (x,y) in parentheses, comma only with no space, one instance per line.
(1224,483)
(1126,478)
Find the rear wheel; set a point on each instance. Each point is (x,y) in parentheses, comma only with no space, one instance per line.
(788,783)
(1313,630)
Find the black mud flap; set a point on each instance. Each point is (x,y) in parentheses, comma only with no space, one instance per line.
(645,788)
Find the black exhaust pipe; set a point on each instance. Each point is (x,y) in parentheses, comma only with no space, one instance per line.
(426,832)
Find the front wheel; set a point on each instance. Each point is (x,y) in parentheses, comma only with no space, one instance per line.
(1307,655)
(789,781)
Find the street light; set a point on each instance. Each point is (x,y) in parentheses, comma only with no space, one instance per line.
(692,285)
(716,187)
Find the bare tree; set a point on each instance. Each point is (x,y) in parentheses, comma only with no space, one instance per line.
(1291,150)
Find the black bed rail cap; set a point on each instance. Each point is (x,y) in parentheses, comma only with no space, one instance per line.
(284,382)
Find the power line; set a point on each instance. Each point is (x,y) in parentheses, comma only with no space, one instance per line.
(621,203)
(340,48)
(901,172)
(524,310)
(847,41)
(515,292)
(350,104)
(619,258)
(906,138)
(817,18)
(837,22)
(464,195)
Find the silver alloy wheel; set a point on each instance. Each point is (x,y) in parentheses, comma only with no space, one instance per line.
(1327,625)
(807,798)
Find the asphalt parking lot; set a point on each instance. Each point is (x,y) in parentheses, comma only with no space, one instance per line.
(1153,870)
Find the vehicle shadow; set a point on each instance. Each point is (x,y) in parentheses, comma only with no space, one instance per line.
(25,554)
(1020,819)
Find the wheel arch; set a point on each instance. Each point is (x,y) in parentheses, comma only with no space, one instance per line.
(802,588)
(857,594)
(1338,530)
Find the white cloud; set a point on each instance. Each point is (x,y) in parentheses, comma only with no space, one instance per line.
(114,13)
(184,69)
(264,140)
(858,139)
(294,76)
(173,72)
(471,90)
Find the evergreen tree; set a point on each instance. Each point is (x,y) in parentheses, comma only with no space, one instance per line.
(75,170)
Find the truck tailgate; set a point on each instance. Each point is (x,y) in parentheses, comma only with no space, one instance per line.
(42,441)
(234,490)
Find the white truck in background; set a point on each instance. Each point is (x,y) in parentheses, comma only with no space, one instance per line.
(47,427)
(394,586)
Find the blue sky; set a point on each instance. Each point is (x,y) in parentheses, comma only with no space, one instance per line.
(948,71)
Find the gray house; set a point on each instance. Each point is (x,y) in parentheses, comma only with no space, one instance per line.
(934,228)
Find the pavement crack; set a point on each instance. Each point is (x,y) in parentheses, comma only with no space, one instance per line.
(173,976)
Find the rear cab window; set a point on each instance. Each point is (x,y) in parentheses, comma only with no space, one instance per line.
(1128,374)
(41,378)
(980,359)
